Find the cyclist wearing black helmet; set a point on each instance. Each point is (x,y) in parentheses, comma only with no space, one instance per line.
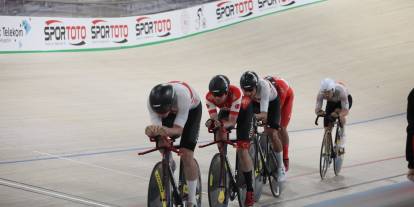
(267,108)
(234,109)
(175,110)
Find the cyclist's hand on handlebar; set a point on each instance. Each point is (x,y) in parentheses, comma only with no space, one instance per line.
(155,130)
(161,131)
(334,114)
(320,113)
(151,130)
(209,123)
(213,124)
(262,116)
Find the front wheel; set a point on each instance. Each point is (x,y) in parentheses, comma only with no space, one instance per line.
(159,188)
(258,174)
(326,154)
(218,183)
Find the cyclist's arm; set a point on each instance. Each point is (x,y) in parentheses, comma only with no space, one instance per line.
(184,105)
(344,103)
(234,111)
(319,102)
(175,131)
(264,96)
(212,109)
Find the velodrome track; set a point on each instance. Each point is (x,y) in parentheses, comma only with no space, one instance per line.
(72,123)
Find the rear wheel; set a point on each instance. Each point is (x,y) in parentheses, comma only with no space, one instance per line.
(338,159)
(275,185)
(218,183)
(159,188)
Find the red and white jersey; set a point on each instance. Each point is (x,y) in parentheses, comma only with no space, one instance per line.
(232,103)
(266,92)
(187,99)
(282,87)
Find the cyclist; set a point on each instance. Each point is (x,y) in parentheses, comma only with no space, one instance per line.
(409,153)
(175,110)
(339,101)
(286,96)
(266,105)
(234,109)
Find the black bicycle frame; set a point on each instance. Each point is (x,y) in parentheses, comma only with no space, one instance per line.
(267,171)
(167,171)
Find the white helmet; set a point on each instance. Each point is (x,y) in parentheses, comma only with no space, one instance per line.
(327,84)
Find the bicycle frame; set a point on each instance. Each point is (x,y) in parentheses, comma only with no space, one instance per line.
(225,164)
(329,143)
(223,156)
(166,153)
(336,123)
(267,171)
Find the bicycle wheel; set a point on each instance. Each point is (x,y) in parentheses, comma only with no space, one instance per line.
(259,179)
(275,185)
(183,187)
(326,153)
(218,183)
(159,189)
(338,159)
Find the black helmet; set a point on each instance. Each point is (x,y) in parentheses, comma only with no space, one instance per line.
(162,97)
(249,80)
(219,85)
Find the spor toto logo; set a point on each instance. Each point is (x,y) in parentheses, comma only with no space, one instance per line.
(229,9)
(271,3)
(102,30)
(159,27)
(56,30)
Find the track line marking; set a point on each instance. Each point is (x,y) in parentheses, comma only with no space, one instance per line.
(93,165)
(52,193)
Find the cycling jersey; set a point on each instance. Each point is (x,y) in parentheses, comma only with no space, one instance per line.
(340,95)
(187,99)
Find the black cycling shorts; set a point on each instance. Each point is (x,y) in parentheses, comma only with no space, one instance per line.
(332,106)
(191,129)
(273,113)
(244,121)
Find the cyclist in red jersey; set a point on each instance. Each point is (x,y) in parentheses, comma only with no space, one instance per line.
(234,109)
(286,97)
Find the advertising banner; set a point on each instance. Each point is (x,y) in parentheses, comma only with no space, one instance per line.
(29,34)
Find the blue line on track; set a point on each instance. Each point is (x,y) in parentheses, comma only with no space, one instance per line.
(200,142)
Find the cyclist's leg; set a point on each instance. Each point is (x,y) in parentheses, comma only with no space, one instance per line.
(286,112)
(188,142)
(342,128)
(244,127)
(273,121)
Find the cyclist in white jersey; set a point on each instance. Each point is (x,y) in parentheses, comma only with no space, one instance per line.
(339,102)
(175,110)
(266,105)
